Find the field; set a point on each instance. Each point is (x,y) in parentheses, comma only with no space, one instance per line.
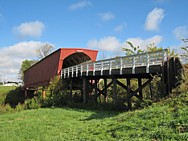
(158,122)
(165,120)
(3,92)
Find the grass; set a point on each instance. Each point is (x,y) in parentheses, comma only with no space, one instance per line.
(3,92)
(157,122)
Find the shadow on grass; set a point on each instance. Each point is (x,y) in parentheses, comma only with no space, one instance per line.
(101,115)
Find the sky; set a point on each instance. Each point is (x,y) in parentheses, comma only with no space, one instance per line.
(103,25)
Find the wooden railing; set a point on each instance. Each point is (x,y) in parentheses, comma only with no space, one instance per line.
(145,59)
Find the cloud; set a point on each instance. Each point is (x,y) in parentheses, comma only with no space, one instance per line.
(111,46)
(181,32)
(29,29)
(142,43)
(109,43)
(106,16)
(153,19)
(114,46)
(79,5)
(12,57)
(120,27)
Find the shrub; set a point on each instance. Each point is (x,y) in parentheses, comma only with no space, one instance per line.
(32,103)
(57,93)
(14,97)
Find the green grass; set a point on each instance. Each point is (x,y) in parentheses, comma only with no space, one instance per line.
(4,91)
(158,122)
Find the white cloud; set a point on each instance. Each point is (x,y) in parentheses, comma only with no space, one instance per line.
(120,27)
(12,57)
(154,18)
(142,43)
(29,29)
(81,4)
(106,16)
(113,46)
(109,43)
(181,32)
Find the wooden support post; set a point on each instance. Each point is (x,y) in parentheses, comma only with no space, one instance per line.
(129,94)
(43,93)
(84,88)
(71,88)
(140,92)
(95,87)
(150,87)
(25,93)
(114,90)
(105,90)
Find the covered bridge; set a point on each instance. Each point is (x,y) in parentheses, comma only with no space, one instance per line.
(43,71)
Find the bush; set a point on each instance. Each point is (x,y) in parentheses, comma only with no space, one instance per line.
(32,103)
(14,97)
(57,93)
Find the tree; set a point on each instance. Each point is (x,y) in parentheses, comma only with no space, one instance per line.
(133,49)
(152,47)
(24,66)
(44,50)
(185,48)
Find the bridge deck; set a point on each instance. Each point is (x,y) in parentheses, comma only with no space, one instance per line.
(145,63)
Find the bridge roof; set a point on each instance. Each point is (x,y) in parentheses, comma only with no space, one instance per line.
(43,71)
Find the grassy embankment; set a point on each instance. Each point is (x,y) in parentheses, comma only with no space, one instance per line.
(161,121)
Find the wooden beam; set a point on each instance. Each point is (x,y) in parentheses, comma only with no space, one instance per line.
(105,90)
(139,85)
(129,94)
(71,88)
(114,89)
(84,90)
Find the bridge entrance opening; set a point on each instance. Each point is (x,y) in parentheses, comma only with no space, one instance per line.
(75,59)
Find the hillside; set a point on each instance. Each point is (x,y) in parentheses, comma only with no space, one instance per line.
(165,120)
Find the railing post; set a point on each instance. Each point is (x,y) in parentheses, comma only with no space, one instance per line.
(87,67)
(121,65)
(101,67)
(133,64)
(68,72)
(147,63)
(110,69)
(93,69)
(72,71)
(81,70)
(64,73)
(76,70)
(165,54)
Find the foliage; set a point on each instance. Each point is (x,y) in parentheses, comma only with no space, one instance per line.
(5,108)
(185,49)
(132,50)
(152,47)
(44,50)
(56,95)
(24,66)
(14,97)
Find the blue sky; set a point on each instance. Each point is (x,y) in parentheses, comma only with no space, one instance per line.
(104,25)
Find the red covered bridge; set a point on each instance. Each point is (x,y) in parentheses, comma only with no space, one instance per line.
(42,72)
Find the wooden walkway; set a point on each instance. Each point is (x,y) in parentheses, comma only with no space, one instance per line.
(135,64)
